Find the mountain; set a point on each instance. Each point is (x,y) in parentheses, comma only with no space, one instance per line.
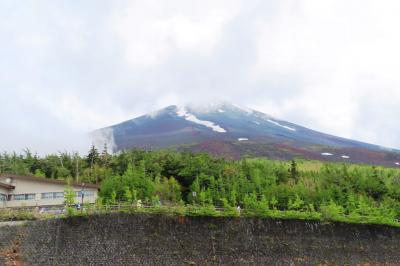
(233,131)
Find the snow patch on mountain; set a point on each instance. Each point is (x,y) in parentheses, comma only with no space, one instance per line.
(397,163)
(243,139)
(345,157)
(205,108)
(182,112)
(326,154)
(279,125)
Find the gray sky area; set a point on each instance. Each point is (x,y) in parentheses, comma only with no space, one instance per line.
(69,67)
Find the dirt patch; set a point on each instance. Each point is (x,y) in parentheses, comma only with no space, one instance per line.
(11,255)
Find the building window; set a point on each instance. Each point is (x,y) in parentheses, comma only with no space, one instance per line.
(53,195)
(24,196)
(89,193)
(30,196)
(58,195)
(86,194)
(47,195)
(3,197)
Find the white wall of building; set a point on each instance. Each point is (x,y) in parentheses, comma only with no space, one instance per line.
(33,191)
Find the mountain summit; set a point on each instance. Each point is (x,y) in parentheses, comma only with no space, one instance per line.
(233,131)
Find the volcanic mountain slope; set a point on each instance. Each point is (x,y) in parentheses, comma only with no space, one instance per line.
(233,131)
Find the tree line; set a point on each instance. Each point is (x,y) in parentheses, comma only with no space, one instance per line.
(260,185)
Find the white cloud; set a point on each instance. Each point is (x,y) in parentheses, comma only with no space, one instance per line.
(68,68)
(344,52)
(70,109)
(151,31)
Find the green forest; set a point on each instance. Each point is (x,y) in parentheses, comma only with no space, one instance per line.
(261,187)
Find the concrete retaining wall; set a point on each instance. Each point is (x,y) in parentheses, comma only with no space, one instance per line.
(120,239)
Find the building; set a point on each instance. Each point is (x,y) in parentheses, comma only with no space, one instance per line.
(31,191)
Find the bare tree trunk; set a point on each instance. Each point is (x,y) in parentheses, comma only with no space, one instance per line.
(61,160)
(77,167)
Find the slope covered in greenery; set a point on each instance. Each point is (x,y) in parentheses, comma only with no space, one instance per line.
(261,187)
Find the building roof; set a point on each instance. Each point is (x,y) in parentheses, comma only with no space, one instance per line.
(47,180)
(6,186)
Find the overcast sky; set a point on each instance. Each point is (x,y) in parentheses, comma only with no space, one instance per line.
(69,67)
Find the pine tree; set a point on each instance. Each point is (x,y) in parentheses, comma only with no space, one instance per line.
(92,159)
(294,173)
(105,156)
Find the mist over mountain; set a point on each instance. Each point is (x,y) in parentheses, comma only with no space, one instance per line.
(234,131)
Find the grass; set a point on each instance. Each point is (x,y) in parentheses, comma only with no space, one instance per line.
(198,211)
(211,211)
(7,215)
